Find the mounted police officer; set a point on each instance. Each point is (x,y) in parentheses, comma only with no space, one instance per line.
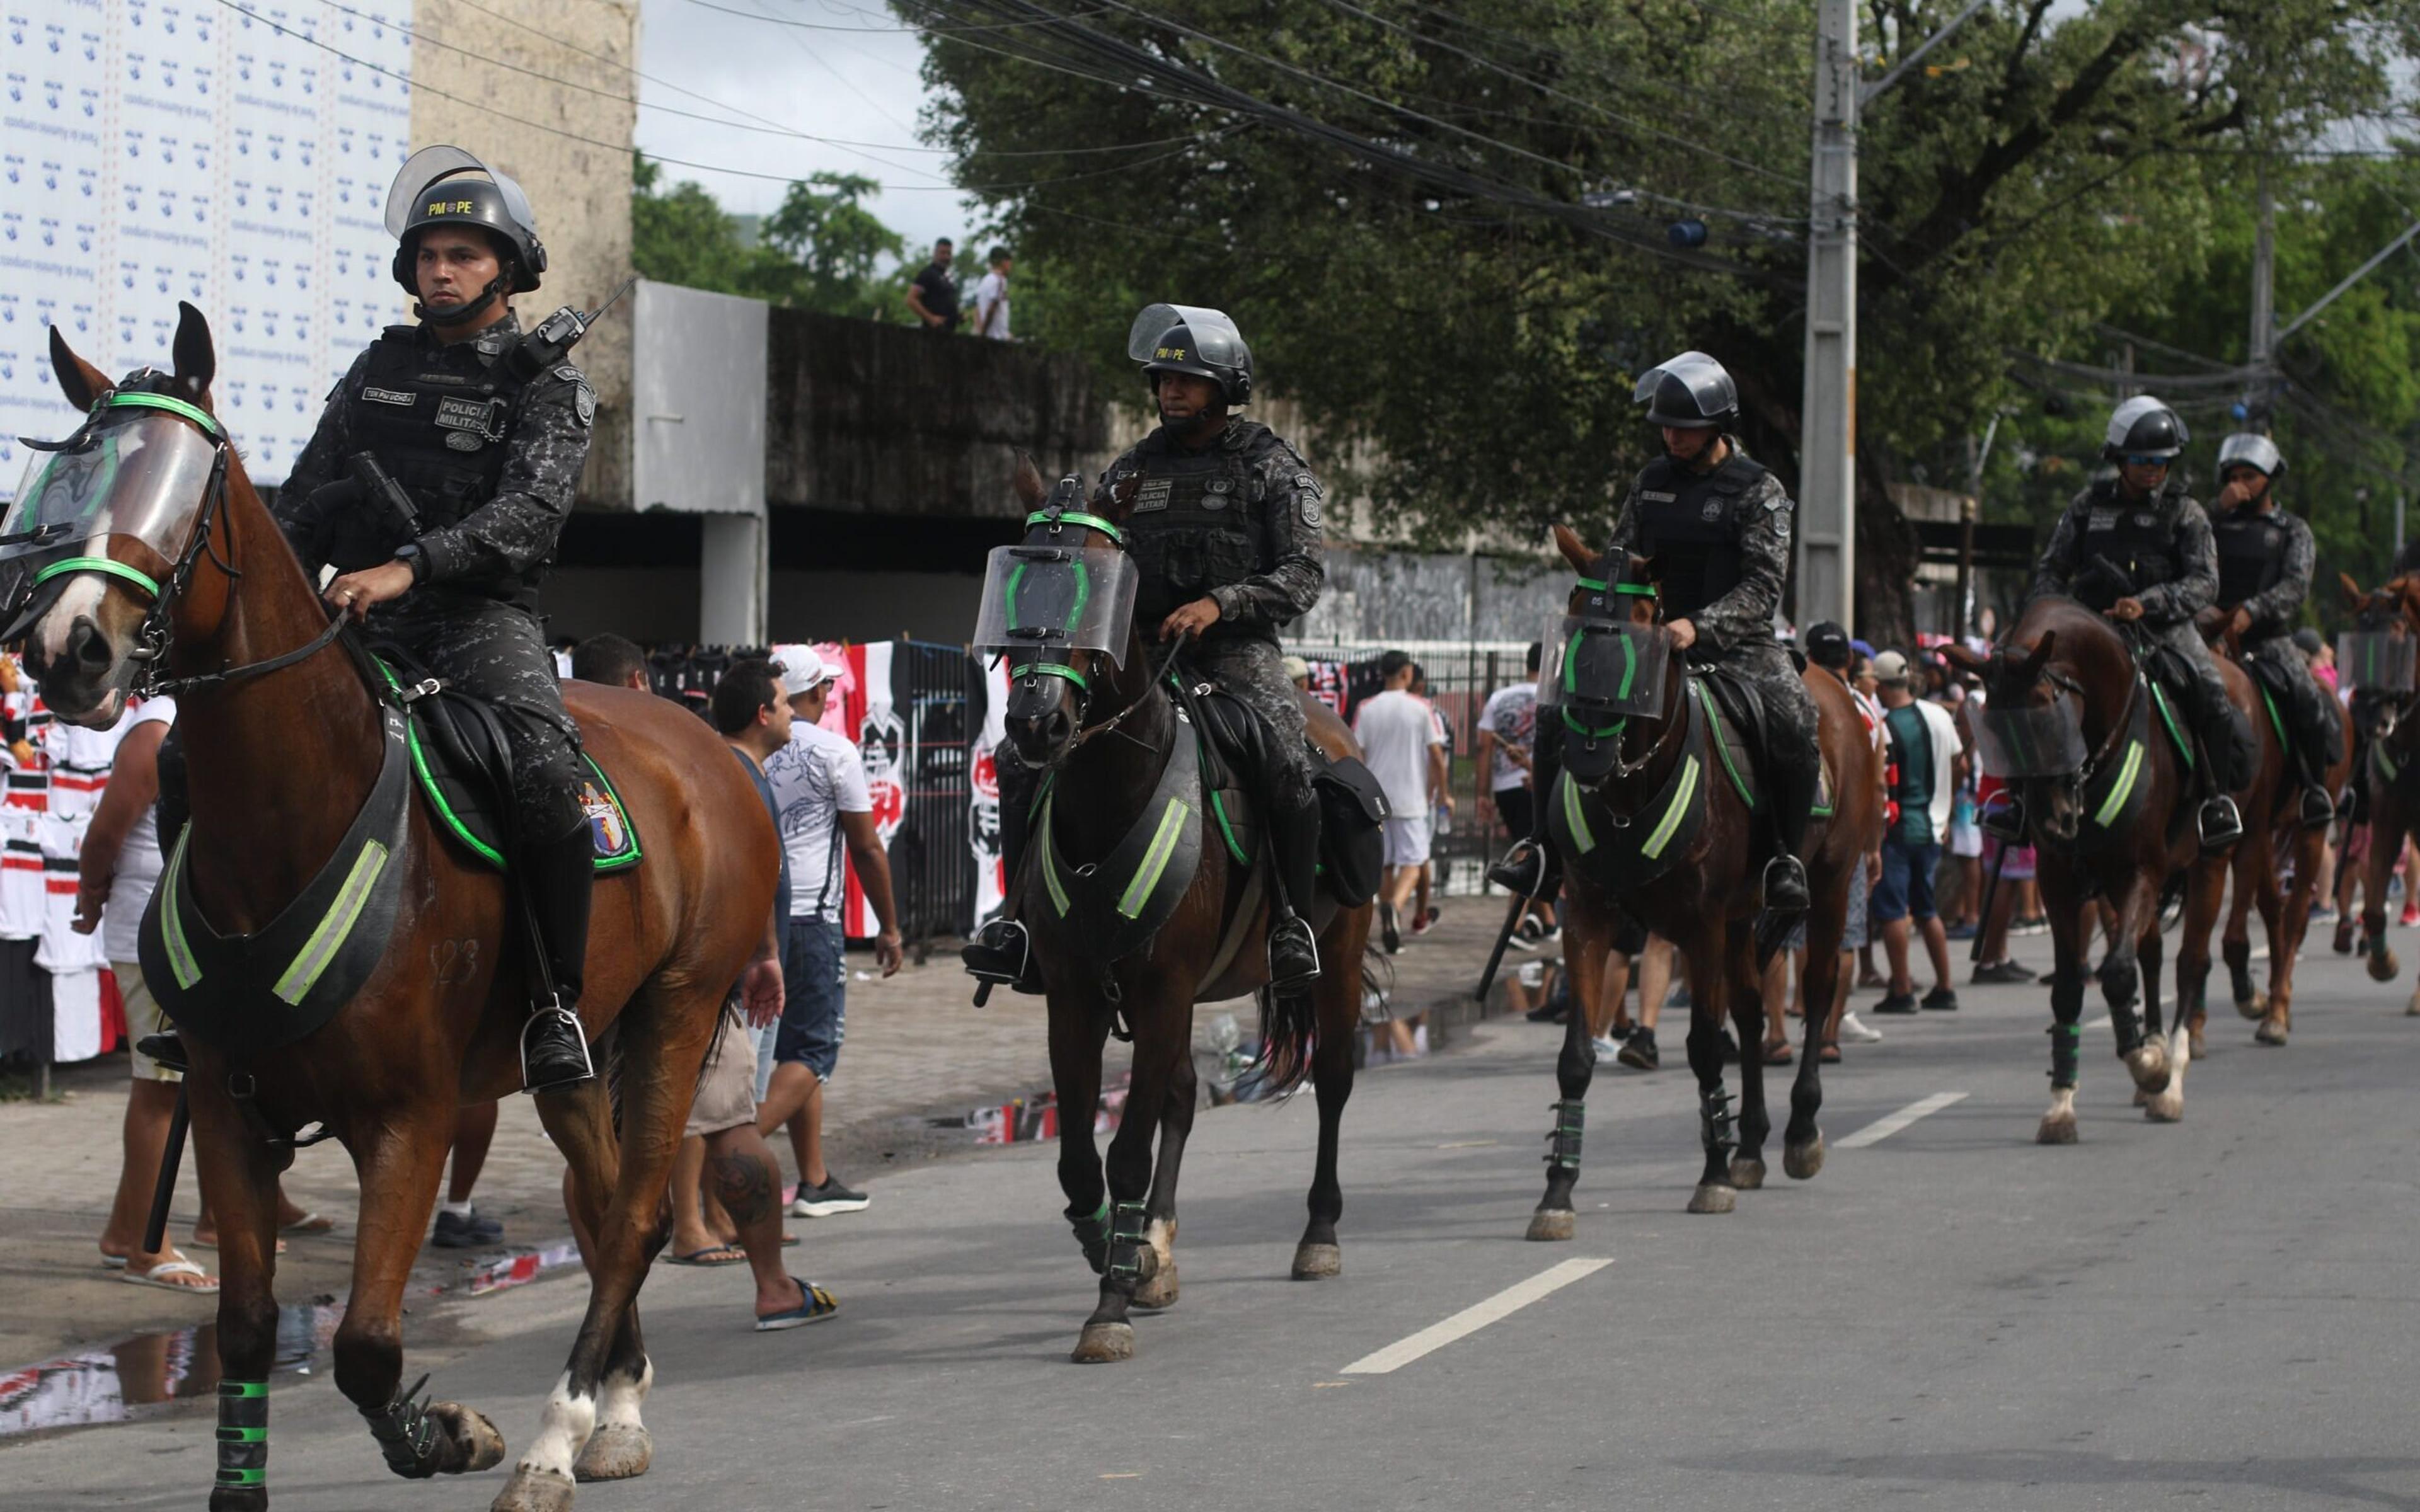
(1225,529)
(2264,577)
(1716,525)
(2135,547)
(483,440)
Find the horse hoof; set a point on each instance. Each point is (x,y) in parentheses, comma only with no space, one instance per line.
(1747,1174)
(1159,1290)
(2148,1063)
(2166,1105)
(2141,1098)
(476,1440)
(239,1499)
(2270,1032)
(1801,1162)
(1550,1225)
(2254,1006)
(1711,1199)
(1104,1344)
(1317,1262)
(2382,968)
(2195,1046)
(533,1490)
(617,1451)
(2057,1129)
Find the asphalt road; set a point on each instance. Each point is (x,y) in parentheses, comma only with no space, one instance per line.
(2210,1313)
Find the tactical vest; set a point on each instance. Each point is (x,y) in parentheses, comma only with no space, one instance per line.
(1689,529)
(1196,525)
(2251,554)
(439,417)
(2136,536)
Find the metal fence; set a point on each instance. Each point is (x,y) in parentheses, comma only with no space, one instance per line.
(932,861)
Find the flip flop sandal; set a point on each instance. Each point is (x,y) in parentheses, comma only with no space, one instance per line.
(175,1265)
(1777,1053)
(113,1262)
(1829,1054)
(722,1255)
(818,1305)
(310,1222)
(212,1243)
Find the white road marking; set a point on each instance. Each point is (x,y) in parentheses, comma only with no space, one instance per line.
(1881,1128)
(1472,1318)
(2097,1022)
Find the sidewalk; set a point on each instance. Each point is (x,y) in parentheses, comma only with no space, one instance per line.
(919,1057)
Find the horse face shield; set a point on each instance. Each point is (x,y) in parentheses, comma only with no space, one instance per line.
(1054,608)
(2030,740)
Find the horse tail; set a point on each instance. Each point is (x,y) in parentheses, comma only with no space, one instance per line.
(1290,1028)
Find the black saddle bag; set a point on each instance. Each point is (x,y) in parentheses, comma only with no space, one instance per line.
(1351,844)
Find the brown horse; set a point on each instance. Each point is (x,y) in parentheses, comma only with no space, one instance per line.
(280,765)
(2385,719)
(1705,900)
(1108,730)
(2275,842)
(2115,830)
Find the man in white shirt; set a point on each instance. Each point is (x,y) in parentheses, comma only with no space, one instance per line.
(991,298)
(818,780)
(1405,751)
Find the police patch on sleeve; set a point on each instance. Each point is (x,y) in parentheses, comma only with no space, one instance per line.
(583,404)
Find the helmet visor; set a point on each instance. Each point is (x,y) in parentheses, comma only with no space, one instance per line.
(2033,740)
(1050,599)
(1709,386)
(1213,332)
(1610,668)
(132,470)
(431,164)
(2376,661)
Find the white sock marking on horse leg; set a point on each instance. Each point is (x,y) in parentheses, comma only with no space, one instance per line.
(563,1430)
(1161,1236)
(2062,1104)
(622,1398)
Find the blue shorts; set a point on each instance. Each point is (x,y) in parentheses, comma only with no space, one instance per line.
(1905,890)
(814,1015)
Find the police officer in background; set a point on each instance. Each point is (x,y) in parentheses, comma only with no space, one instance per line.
(2264,577)
(1716,526)
(1225,531)
(2135,547)
(485,438)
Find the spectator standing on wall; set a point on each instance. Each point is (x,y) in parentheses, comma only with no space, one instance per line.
(991,298)
(818,780)
(1405,751)
(934,296)
(1924,748)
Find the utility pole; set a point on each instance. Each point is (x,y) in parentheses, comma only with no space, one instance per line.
(1827,481)
(2264,308)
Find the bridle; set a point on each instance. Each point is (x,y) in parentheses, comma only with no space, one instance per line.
(154,635)
(1053,518)
(1621,769)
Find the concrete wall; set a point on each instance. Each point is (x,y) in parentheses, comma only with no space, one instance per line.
(579,189)
(1380,595)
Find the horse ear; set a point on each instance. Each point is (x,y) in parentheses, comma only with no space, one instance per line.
(2039,655)
(1029,481)
(1574,550)
(1966,660)
(79,380)
(197,361)
(2354,596)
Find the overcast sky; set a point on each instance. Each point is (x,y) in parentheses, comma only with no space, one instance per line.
(857,82)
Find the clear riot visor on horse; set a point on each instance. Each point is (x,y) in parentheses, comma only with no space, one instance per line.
(137,469)
(1610,668)
(2376,661)
(2031,740)
(1054,600)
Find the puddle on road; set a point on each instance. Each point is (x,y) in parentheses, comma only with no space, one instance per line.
(115,1382)
(1027,1119)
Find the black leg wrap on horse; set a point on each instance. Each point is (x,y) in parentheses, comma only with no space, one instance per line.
(404,1433)
(1125,1243)
(1092,1236)
(1714,1122)
(2066,1052)
(243,1437)
(1563,1143)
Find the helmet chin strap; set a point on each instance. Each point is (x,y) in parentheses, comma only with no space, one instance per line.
(1197,423)
(454,314)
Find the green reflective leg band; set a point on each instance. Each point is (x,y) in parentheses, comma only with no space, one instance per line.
(244,1433)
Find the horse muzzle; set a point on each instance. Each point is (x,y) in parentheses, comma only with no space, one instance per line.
(83,677)
(1040,738)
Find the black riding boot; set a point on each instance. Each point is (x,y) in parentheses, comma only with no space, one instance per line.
(1529,868)
(558,877)
(1294,849)
(2226,738)
(2318,806)
(1791,784)
(1001,951)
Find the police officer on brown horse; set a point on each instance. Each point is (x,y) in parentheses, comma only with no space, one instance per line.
(1715,524)
(1225,529)
(2265,556)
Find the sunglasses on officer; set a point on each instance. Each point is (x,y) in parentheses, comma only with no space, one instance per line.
(2133,461)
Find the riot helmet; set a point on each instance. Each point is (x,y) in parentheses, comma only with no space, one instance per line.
(448,186)
(1691,391)
(1185,338)
(2144,426)
(2247,449)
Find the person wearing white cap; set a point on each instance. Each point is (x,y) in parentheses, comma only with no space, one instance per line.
(818,780)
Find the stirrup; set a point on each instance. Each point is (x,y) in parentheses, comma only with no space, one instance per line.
(2218,822)
(1523,868)
(2318,807)
(1001,951)
(555,1017)
(1785,893)
(1290,931)
(2006,822)
(166,1047)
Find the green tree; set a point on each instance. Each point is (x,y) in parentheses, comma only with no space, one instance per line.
(822,250)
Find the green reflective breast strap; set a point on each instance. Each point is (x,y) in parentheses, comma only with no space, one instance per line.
(1051,863)
(1154,858)
(336,925)
(1583,837)
(2123,788)
(1685,794)
(110,565)
(172,919)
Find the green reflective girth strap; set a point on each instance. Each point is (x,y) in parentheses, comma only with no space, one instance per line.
(110,565)
(244,1433)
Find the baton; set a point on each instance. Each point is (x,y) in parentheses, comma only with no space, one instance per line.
(1990,893)
(155,1228)
(1503,937)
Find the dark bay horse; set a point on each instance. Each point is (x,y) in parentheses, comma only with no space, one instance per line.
(2275,843)
(1106,729)
(1706,901)
(280,765)
(2115,830)
(2386,719)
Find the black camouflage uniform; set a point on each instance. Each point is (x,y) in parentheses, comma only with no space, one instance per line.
(2265,559)
(2164,545)
(490,515)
